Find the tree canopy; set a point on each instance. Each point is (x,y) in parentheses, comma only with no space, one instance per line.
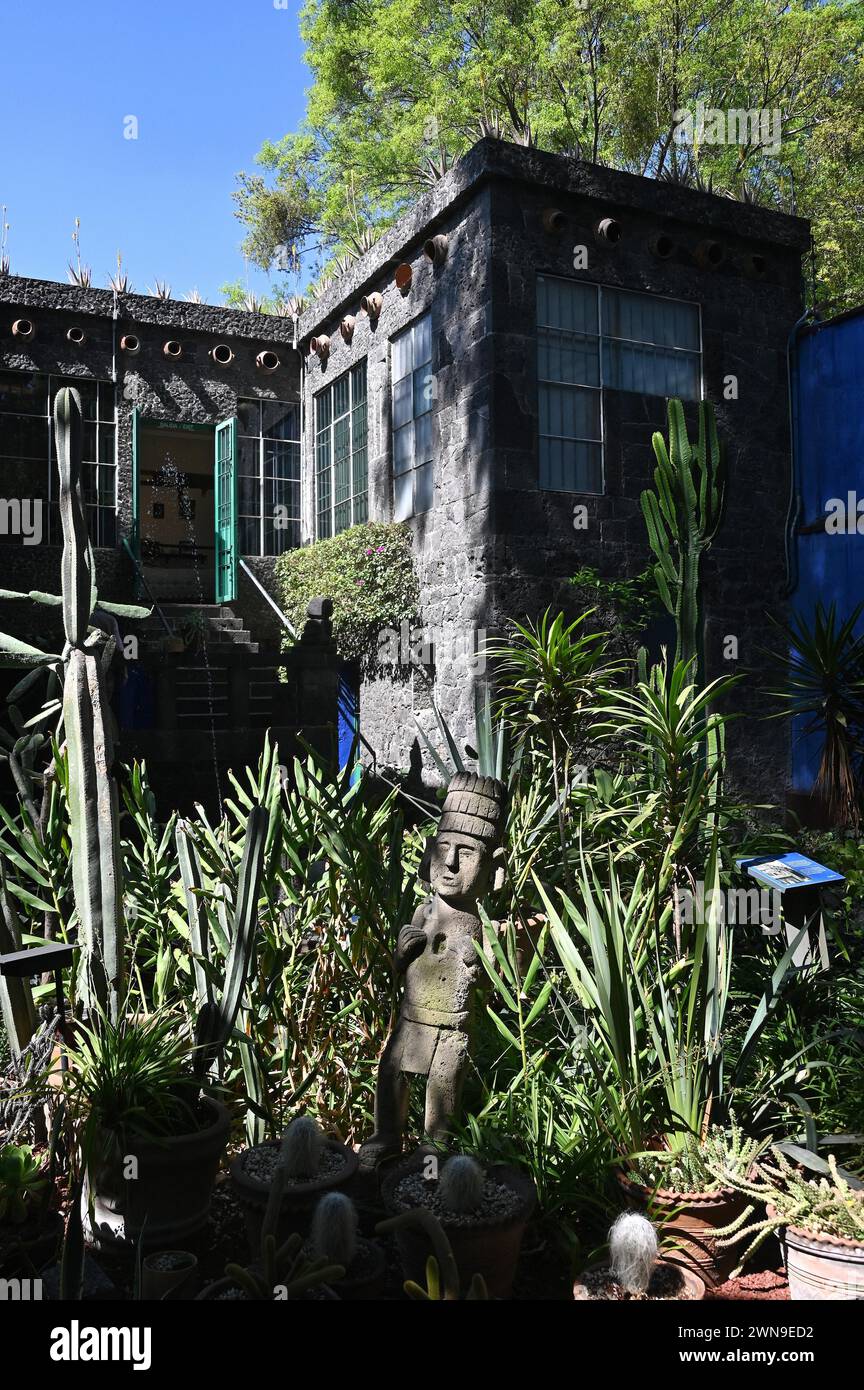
(402,88)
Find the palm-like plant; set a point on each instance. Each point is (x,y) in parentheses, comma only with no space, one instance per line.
(824,667)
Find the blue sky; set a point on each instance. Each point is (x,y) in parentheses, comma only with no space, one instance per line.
(208,81)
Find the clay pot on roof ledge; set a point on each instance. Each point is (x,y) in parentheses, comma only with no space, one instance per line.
(402,277)
(710,254)
(222,355)
(609,229)
(435,249)
(267,361)
(129,343)
(372,304)
(23,328)
(320,345)
(346,328)
(76,335)
(173,349)
(662,244)
(554,220)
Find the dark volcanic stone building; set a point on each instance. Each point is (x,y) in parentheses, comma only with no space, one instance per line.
(490,372)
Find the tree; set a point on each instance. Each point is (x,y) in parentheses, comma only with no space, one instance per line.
(402,88)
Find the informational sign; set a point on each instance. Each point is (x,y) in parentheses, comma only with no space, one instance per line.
(787,871)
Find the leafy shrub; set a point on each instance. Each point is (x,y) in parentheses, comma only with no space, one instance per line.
(368,572)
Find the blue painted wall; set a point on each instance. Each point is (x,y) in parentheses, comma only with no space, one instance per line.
(828,393)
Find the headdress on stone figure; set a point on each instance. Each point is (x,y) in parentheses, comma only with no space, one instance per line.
(474,806)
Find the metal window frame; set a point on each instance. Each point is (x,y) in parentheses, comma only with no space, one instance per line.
(260,439)
(415,466)
(329,429)
(600,337)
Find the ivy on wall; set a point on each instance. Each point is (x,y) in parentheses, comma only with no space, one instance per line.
(368,572)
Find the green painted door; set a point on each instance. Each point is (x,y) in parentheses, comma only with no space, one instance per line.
(226,510)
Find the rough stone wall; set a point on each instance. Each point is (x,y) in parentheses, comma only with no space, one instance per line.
(453,540)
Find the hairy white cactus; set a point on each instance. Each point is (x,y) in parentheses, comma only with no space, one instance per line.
(302,1145)
(461,1184)
(632,1251)
(334,1229)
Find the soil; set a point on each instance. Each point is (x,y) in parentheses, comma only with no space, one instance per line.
(260,1164)
(499,1201)
(765,1284)
(666,1283)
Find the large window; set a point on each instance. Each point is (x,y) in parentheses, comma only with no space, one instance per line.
(268,512)
(28,463)
(341,459)
(411,404)
(591,336)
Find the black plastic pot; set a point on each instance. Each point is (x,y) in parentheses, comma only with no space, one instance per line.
(299,1199)
(170,1198)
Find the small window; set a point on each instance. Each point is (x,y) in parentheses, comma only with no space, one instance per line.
(268,476)
(341,454)
(411,411)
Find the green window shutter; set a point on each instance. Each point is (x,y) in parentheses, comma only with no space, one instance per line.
(226,510)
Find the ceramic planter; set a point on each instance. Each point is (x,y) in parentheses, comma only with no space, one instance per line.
(694,1286)
(822,1267)
(691,1219)
(491,1251)
(169,1275)
(299,1200)
(170,1199)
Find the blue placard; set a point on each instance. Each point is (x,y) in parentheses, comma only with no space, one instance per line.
(784,872)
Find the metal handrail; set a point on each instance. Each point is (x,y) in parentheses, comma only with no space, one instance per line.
(148,591)
(273,604)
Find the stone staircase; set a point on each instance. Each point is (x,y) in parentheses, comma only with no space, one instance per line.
(219,627)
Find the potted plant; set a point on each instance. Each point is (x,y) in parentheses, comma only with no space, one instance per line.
(310,1163)
(443,1281)
(279,1273)
(168,1275)
(483,1212)
(821,1221)
(633,1270)
(334,1238)
(151,1138)
(29,1230)
(681,1189)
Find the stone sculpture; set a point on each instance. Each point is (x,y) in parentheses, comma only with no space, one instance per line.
(438,957)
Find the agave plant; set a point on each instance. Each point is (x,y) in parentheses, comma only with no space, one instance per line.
(80,275)
(119,281)
(160,289)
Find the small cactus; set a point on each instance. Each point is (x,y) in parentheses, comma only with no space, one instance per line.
(632,1251)
(334,1230)
(302,1145)
(461,1185)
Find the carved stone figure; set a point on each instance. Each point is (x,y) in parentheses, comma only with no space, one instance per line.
(438,958)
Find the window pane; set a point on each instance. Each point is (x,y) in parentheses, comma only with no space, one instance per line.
(280,420)
(106,402)
(248,458)
(424,490)
(401,402)
(651,371)
(403,500)
(358,382)
(322,410)
(570,466)
(341,400)
(249,417)
(249,535)
(248,497)
(401,360)
(281,460)
(106,444)
(569,412)
(24,393)
(423,390)
(422,439)
(423,340)
(567,304)
(568,357)
(24,436)
(646,318)
(403,449)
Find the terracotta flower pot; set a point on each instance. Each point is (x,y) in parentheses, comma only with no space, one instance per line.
(299,1199)
(693,1286)
(170,1198)
(821,1267)
(691,1219)
(490,1250)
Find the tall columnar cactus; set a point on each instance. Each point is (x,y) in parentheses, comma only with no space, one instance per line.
(87,721)
(682,515)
